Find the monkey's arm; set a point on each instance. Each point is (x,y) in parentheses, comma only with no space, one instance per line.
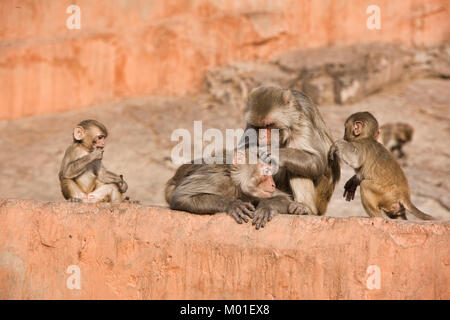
(74,168)
(348,152)
(302,163)
(107,177)
(211,203)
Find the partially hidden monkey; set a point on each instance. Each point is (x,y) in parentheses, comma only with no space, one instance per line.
(82,176)
(394,135)
(232,188)
(384,187)
(306,172)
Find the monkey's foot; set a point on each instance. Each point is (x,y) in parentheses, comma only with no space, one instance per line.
(299,208)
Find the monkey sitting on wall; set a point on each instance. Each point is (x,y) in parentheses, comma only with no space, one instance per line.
(82,176)
(306,173)
(384,187)
(394,135)
(232,188)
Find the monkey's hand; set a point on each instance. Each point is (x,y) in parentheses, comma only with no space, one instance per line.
(299,208)
(97,154)
(350,188)
(334,151)
(122,185)
(239,210)
(263,214)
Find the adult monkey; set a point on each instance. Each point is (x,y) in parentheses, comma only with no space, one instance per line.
(305,170)
(82,176)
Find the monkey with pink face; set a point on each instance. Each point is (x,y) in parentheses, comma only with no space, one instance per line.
(306,172)
(232,188)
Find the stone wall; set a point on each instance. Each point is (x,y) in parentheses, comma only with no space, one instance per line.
(73,251)
(134,48)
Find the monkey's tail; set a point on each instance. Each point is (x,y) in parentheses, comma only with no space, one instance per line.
(410,208)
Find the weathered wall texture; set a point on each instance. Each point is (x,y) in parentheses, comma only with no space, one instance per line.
(140,252)
(141,47)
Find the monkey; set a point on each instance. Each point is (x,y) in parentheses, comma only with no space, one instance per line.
(232,188)
(305,170)
(394,135)
(83,178)
(384,186)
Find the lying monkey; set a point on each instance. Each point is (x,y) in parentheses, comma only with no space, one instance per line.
(232,188)
(82,176)
(384,187)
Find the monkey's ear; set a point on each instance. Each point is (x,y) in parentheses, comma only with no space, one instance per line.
(378,134)
(357,128)
(287,96)
(79,133)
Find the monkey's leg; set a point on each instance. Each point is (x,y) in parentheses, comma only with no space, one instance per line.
(105,193)
(71,191)
(304,192)
(369,202)
(394,210)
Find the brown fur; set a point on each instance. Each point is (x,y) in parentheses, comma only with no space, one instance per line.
(231,188)
(82,176)
(306,172)
(394,135)
(384,187)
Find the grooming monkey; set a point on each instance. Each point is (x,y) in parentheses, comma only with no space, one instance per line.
(384,187)
(82,176)
(305,170)
(231,188)
(394,135)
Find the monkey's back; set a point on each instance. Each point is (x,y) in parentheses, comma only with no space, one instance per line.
(381,172)
(201,178)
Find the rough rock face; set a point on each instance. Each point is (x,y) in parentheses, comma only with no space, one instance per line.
(72,251)
(141,47)
(329,75)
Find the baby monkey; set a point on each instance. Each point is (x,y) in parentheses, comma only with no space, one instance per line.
(82,176)
(384,187)
(394,135)
(235,188)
